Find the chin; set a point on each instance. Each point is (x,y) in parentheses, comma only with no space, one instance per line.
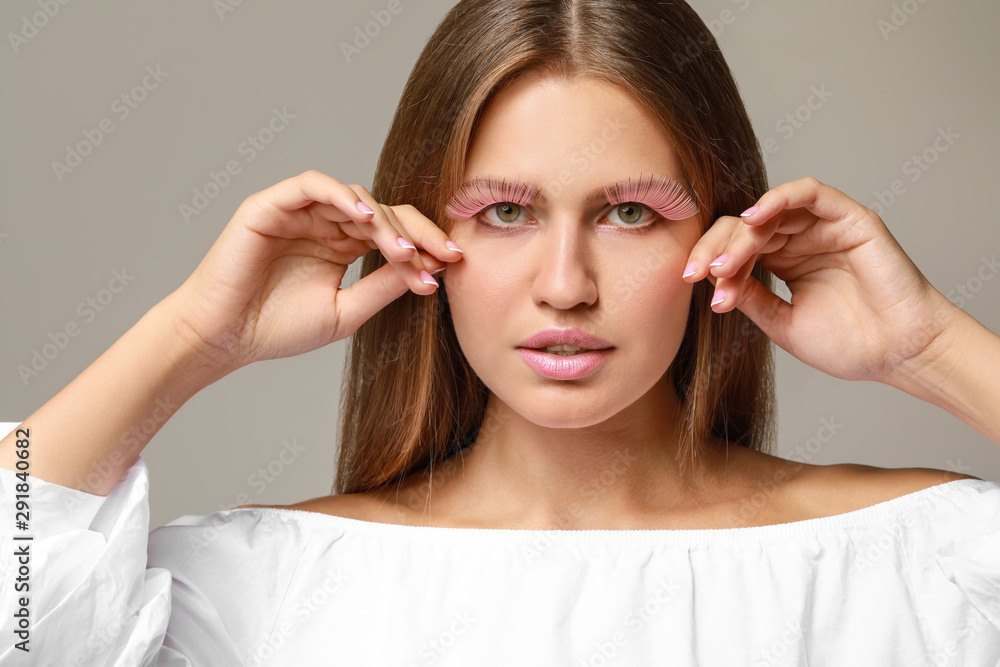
(548,407)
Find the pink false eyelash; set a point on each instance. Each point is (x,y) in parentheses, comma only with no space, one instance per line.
(667,198)
(473,198)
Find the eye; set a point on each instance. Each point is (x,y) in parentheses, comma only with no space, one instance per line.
(507,212)
(630,213)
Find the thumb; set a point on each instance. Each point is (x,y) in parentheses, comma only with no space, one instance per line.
(767,310)
(357,303)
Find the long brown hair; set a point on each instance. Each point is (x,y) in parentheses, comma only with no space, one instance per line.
(409,393)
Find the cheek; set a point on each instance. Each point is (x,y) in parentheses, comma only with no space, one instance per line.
(648,284)
(481,292)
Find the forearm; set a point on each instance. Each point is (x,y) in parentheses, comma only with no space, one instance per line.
(963,376)
(88,434)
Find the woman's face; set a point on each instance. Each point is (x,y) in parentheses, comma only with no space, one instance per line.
(569,258)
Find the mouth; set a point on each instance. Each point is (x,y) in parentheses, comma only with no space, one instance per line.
(562,350)
(557,363)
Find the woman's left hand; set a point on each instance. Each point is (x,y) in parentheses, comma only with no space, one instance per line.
(860,309)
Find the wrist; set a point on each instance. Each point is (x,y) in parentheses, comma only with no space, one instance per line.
(956,371)
(936,360)
(191,356)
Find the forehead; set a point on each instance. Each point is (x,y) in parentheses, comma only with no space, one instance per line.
(585,131)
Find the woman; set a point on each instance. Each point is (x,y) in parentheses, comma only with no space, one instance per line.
(588,507)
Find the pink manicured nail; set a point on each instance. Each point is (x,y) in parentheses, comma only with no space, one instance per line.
(406,244)
(720,260)
(434,273)
(364,208)
(690,269)
(428,278)
(750,211)
(451,244)
(720,296)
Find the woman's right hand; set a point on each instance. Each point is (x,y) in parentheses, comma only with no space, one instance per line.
(270,285)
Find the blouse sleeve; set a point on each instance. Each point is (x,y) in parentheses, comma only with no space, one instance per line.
(968,549)
(79,592)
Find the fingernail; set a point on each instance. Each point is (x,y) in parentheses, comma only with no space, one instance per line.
(451,244)
(364,208)
(428,278)
(720,296)
(690,269)
(434,273)
(720,260)
(406,244)
(750,211)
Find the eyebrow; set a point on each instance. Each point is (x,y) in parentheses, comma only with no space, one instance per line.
(540,193)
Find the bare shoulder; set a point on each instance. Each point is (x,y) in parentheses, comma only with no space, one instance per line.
(825,490)
(361,506)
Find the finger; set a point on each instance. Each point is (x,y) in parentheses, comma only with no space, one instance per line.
(306,205)
(728,291)
(293,194)
(343,252)
(767,310)
(369,295)
(821,200)
(426,235)
(735,284)
(744,245)
(383,227)
(708,247)
(404,234)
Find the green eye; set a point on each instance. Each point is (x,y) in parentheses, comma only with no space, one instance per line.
(629,212)
(505,209)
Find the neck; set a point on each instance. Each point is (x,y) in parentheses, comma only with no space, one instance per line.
(620,471)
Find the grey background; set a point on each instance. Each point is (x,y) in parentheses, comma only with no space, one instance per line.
(60,241)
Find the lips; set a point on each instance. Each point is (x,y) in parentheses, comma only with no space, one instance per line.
(568,336)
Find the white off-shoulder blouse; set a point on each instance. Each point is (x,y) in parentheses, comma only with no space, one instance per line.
(912,581)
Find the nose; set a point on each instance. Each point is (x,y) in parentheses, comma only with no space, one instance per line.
(564,264)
